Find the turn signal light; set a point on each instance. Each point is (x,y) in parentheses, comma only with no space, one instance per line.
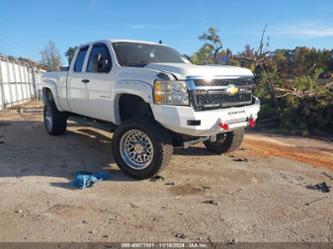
(157,93)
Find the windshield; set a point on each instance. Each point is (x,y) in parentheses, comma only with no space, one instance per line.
(140,54)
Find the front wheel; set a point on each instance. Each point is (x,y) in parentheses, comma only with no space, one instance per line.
(226,142)
(141,148)
(55,122)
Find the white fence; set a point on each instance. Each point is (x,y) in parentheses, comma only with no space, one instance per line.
(19,83)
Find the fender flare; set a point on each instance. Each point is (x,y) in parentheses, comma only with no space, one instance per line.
(138,88)
(49,85)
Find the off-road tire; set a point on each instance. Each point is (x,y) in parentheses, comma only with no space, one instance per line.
(226,142)
(59,119)
(160,140)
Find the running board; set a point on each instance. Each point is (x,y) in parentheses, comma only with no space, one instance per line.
(106,126)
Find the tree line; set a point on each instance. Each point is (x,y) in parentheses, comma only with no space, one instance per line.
(295,86)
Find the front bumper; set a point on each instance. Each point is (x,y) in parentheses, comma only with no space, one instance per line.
(185,120)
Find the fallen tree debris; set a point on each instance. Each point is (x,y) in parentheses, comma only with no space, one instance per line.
(180,235)
(241,159)
(169,183)
(320,186)
(314,201)
(212,202)
(205,187)
(156,178)
(328,176)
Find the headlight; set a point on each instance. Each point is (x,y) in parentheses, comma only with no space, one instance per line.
(170,92)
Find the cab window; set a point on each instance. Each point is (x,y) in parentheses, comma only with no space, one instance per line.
(99,59)
(80,59)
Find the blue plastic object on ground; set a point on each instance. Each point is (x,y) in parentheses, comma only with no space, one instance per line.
(85,179)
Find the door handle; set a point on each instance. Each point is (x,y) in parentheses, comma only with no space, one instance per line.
(85,81)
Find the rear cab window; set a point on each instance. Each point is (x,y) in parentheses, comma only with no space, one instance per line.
(80,59)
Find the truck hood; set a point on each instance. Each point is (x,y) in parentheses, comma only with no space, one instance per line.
(182,70)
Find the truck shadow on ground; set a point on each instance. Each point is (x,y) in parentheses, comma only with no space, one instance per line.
(192,151)
(27,150)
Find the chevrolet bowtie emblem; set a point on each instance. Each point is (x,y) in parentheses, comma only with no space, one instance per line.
(232,90)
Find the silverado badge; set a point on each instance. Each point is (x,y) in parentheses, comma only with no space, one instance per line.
(232,90)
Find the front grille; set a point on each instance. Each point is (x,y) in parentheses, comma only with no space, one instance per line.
(223,100)
(214,94)
(224,82)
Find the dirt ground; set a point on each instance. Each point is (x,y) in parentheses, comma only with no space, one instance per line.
(258,193)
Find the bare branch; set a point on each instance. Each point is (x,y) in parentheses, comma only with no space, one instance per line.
(261,45)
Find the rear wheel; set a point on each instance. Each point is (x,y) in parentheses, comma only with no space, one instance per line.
(226,142)
(141,148)
(55,122)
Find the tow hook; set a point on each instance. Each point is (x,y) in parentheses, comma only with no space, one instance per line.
(224,126)
(252,122)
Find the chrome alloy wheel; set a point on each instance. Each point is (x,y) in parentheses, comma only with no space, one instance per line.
(136,149)
(48,118)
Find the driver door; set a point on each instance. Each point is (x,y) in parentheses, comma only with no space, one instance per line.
(101,78)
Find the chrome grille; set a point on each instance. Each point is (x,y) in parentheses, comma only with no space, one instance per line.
(223,100)
(224,82)
(213,94)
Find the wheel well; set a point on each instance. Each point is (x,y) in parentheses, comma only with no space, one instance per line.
(132,106)
(47,95)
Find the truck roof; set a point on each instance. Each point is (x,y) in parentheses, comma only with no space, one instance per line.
(122,40)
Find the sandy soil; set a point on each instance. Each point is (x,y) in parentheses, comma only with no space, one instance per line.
(257,193)
(314,152)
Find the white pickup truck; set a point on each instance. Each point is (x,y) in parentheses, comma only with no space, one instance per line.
(152,99)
